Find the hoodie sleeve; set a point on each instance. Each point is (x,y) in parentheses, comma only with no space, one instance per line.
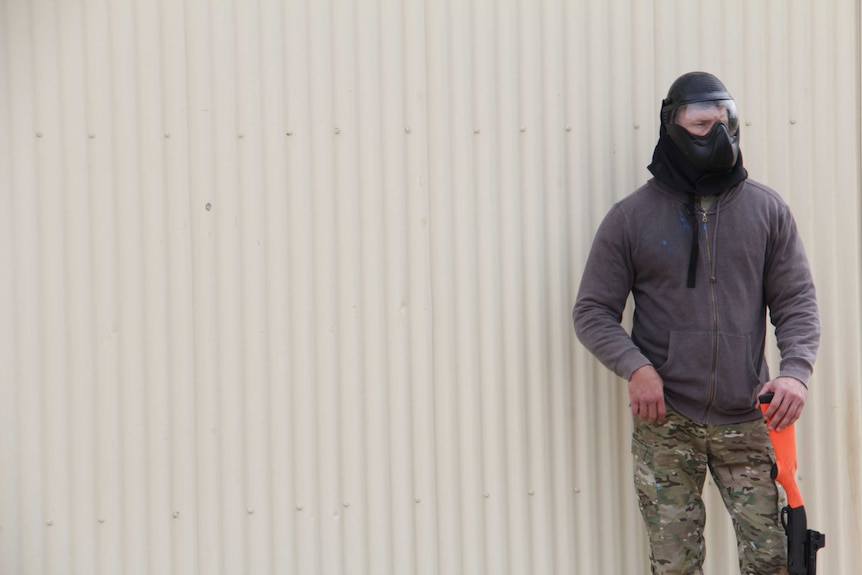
(790,295)
(604,289)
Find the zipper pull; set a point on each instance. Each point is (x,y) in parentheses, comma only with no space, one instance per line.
(704,219)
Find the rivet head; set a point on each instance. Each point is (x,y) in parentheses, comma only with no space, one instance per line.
(346,504)
(38,134)
(289,132)
(101,519)
(49,523)
(208,207)
(531,492)
(792,121)
(476,131)
(568,128)
(748,122)
(337,131)
(637,126)
(408,130)
(523,128)
(175,514)
(299,507)
(486,495)
(167,134)
(91,135)
(250,510)
(241,135)
(418,500)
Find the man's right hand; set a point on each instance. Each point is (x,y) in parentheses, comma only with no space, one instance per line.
(646,394)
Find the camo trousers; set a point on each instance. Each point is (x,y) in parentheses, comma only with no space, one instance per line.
(670,463)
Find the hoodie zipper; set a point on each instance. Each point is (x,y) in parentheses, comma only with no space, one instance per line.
(713,365)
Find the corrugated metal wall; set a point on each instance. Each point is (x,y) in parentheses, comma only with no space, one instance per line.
(287,285)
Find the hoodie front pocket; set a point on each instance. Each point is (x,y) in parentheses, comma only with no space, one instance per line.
(736,378)
(687,371)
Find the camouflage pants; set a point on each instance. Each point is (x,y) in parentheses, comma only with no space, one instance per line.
(670,466)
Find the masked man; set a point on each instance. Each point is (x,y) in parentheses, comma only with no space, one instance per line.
(706,253)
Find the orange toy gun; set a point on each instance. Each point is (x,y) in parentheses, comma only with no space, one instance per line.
(802,543)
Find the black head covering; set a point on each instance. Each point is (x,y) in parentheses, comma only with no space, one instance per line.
(697,166)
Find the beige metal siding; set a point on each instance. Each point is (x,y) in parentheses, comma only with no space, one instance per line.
(288,284)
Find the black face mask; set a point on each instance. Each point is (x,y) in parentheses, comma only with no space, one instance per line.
(715,152)
(675,170)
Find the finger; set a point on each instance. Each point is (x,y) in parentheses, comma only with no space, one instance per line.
(775,406)
(662,411)
(777,420)
(790,416)
(772,407)
(652,413)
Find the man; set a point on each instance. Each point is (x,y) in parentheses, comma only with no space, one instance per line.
(705,253)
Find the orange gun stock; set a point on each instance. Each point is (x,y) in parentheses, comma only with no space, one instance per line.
(802,543)
(784,445)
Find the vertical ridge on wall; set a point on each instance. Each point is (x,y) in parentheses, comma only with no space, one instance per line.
(79,304)
(26,536)
(370,216)
(579,111)
(315,413)
(10,474)
(104,292)
(50,190)
(202,201)
(534,188)
(447,495)
(420,307)
(512,314)
(398,306)
(227,238)
(463,211)
(288,537)
(555,324)
(179,267)
(347,377)
(153,268)
(256,501)
(489,309)
(276,132)
(810,87)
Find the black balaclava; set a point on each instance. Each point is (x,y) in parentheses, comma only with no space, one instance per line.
(707,165)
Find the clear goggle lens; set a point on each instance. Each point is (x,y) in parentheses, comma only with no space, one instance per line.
(699,117)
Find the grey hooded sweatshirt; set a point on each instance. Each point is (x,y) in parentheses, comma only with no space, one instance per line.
(707,342)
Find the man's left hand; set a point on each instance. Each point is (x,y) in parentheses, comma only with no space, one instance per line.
(787,402)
